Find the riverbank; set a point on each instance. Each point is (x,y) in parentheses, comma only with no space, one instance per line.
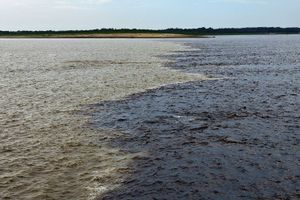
(114,35)
(148,33)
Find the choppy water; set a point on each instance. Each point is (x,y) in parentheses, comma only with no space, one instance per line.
(236,137)
(44,152)
(77,122)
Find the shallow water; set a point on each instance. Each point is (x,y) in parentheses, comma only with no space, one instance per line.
(45,153)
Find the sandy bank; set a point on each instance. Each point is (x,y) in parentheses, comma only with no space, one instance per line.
(125,35)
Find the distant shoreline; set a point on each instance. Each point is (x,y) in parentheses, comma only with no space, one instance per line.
(104,36)
(149,33)
(125,36)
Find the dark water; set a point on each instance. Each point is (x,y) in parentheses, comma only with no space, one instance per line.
(236,137)
(44,152)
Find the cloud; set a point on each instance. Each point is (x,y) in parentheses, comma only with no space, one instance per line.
(245,1)
(79,4)
(53,3)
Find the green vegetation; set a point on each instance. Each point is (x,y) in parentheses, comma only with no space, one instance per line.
(188,32)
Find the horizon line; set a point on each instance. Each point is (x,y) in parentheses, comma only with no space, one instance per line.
(151,29)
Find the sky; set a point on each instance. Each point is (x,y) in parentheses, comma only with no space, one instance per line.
(150,14)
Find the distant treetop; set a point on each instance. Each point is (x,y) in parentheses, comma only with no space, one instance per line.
(193,31)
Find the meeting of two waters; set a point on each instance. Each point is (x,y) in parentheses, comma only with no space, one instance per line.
(117,119)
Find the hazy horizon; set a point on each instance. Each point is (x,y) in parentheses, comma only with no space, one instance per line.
(143,14)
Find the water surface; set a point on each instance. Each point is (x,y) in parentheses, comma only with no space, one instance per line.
(234,137)
(140,119)
(45,153)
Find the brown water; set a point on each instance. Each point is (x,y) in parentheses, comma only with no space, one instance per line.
(78,121)
(45,152)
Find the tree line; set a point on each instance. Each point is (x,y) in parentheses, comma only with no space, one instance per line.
(196,31)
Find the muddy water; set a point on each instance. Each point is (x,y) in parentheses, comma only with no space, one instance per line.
(77,120)
(235,137)
(46,152)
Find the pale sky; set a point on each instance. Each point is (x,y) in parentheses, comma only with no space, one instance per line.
(92,14)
